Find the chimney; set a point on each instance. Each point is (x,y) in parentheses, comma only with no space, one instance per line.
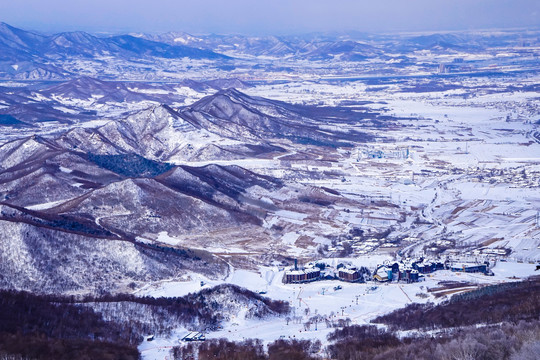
(295,264)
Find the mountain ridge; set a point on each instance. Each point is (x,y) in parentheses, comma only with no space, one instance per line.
(19,45)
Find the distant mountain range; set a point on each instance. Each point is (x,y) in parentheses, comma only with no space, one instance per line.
(310,48)
(350,47)
(26,55)
(20,45)
(227,113)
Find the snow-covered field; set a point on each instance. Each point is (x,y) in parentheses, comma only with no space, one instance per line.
(360,302)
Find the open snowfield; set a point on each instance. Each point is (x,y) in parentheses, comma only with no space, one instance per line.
(358,302)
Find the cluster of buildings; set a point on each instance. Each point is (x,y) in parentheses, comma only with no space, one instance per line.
(405,271)
(350,274)
(399,153)
(457,65)
(319,271)
(299,275)
(412,271)
(304,275)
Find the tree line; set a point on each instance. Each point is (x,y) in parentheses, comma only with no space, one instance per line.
(111,326)
(509,302)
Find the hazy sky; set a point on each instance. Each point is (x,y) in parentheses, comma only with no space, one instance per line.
(268,16)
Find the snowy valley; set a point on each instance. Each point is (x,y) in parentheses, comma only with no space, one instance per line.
(169,183)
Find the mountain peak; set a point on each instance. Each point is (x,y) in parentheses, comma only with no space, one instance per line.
(18,38)
(156,118)
(6,27)
(75,36)
(86,80)
(222,84)
(78,43)
(223,98)
(233,93)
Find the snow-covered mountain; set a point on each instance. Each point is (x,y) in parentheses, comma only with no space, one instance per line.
(233,114)
(139,166)
(118,182)
(25,55)
(17,44)
(64,211)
